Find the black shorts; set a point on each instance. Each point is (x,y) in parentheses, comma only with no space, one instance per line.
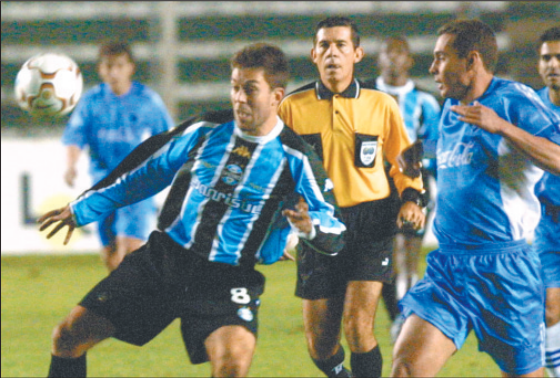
(163,281)
(366,256)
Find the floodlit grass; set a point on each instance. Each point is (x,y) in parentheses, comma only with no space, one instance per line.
(38,291)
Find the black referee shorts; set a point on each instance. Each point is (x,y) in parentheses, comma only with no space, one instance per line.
(163,281)
(367,254)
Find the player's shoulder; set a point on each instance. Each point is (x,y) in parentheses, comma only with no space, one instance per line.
(304,90)
(369,92)
(292,140)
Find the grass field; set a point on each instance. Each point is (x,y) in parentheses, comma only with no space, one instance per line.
(38,291)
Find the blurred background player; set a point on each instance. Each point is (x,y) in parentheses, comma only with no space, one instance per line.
(495,139)
(110,120)
(354,130)
(420,111)
(547,233)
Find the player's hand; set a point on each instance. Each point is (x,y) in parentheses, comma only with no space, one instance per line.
(411,215)
(410,160)
(70,176)
(290,248)
(63,216)
(300,217)
(481,116)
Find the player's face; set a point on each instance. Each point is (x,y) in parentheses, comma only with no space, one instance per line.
(394,61)
(255,104)
(117,71)
(334,55)
(450,71)
(549,64)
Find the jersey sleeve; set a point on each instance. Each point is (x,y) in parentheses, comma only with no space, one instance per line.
(146,180)
(315,187)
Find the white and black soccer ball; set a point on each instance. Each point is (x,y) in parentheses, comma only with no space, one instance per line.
(48,84)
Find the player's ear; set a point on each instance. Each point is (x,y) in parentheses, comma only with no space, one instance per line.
(278,95)
(358,54)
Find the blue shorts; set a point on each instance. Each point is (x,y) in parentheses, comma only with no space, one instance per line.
(495,289)
(547,246)
(134,221)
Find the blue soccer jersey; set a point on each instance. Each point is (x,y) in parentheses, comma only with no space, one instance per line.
(228,192)
(485,186)
(112,126)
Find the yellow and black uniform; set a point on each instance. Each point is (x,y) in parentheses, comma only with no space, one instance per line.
(353,132)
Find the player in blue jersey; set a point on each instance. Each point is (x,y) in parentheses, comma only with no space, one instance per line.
(547,239)
(112,119)
(420,111)
(226,210)
(496,137)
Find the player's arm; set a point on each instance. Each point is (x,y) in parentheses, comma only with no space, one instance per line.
(410,188)
(541,151)
(73,153)
(318,206)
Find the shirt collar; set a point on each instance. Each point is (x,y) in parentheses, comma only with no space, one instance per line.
(323,93)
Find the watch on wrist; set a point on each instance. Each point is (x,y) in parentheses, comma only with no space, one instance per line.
(412,195)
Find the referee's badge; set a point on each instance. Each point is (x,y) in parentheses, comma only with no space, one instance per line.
(245,313)
(367,152)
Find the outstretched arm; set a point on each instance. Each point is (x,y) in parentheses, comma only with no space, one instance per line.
(65,218)
(542,152)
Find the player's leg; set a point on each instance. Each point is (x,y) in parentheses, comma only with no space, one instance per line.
(133,225)
(230,351)
(73,337)
(108,239)
(360,306)
(421,349)
(552,337)
(547,246)
(321,320)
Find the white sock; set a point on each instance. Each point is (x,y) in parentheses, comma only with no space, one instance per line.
(552,351)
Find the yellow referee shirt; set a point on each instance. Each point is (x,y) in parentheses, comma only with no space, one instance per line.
(353,132)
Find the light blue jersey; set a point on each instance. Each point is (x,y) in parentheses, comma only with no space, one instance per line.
(484,276)
(112,126)
(485,186)
(547,240)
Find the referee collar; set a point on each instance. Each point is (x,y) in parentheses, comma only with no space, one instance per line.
(323,93)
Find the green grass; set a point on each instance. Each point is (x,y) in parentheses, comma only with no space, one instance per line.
(38,292)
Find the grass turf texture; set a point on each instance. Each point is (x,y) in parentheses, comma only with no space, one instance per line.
(38,291)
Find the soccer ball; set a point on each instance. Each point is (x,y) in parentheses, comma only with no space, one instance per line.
(48,84)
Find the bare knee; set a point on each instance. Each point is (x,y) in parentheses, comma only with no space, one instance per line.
(322,346)
(359,333)
(230,350)
(80,331)
(401,368)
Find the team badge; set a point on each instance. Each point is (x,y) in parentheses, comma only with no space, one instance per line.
(245,313)
(232,174)
(367,152)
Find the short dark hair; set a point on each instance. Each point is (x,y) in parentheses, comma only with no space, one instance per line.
(473,35)
(397,38)
(115,48)
(549,35)
(333,21)
(268,57)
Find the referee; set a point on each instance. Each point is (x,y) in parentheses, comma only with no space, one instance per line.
(354,129)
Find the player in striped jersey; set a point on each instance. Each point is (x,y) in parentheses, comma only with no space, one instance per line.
(496,137)
(227,209)
(547,242)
